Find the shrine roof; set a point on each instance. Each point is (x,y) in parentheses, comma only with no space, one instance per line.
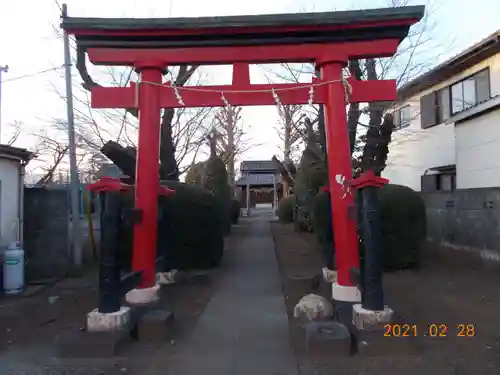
(258,179)
(244,30)
(258,165)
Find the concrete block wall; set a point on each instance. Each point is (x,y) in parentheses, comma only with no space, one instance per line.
(465,220)
(46,231)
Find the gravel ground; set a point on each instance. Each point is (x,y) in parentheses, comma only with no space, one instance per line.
(448,290)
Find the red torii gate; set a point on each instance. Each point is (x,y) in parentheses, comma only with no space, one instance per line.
(327,39)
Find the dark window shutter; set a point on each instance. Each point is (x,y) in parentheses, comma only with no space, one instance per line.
(429,183)
(428,115)
(482,85)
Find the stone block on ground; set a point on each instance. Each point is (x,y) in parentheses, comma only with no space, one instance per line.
(154,326)
(137,311)
(313,307)
(85,344)
(326,340)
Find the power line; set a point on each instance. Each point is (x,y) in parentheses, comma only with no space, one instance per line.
(33,74)
(58,5)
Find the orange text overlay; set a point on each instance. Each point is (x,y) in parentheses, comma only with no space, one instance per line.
(430,330)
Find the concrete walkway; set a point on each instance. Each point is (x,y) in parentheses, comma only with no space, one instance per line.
(244,329)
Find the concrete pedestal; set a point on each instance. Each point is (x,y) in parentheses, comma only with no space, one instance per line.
(371,338)
(143,296)
(104,335)
(371,320)
(108,322)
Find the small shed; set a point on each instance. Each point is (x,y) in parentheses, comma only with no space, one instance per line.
(13,161)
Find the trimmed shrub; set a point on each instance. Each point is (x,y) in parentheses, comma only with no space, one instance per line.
(190,229)
(235,211)
(216,181)
(310,177)
(285,209)
(403,221)
(403,225)
(322,222)
(212,175)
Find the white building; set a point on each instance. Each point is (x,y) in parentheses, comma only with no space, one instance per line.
(448,124)
(12,165)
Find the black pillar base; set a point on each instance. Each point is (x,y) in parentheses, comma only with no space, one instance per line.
(344,312)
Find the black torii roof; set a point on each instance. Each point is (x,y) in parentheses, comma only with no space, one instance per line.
(355,25)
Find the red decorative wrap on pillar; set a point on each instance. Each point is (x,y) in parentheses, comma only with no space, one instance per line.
(340,173)
(147,184)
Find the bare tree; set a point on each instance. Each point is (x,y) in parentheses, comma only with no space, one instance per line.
(231,138)
(290,131)
(416,54)
(15,129)
(51,154)
(182,130)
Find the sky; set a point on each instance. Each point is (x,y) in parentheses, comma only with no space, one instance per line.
(29,44)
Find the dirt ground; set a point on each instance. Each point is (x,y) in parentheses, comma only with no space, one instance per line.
(29,325)
(448,290)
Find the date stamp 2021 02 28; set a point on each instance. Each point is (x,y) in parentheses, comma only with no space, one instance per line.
(430,330)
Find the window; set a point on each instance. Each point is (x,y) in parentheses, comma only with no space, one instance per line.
(438,182)
(438,106)
(443,104)
(402,117)
(470,92)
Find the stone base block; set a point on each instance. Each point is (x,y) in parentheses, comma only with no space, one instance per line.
(325,340)
(84,344)
(108,322)
(365,319)
(155,326)
(143,296)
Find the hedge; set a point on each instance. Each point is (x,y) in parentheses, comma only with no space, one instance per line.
(285,209)
(190,229)
(403,225)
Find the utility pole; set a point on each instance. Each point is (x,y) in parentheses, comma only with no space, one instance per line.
(3,69)
(75,234)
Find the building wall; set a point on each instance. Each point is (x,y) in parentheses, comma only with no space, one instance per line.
(9,201)
(413,150)
(465,220)
(477,147)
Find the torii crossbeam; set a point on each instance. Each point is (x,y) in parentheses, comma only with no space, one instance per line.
(329,40)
